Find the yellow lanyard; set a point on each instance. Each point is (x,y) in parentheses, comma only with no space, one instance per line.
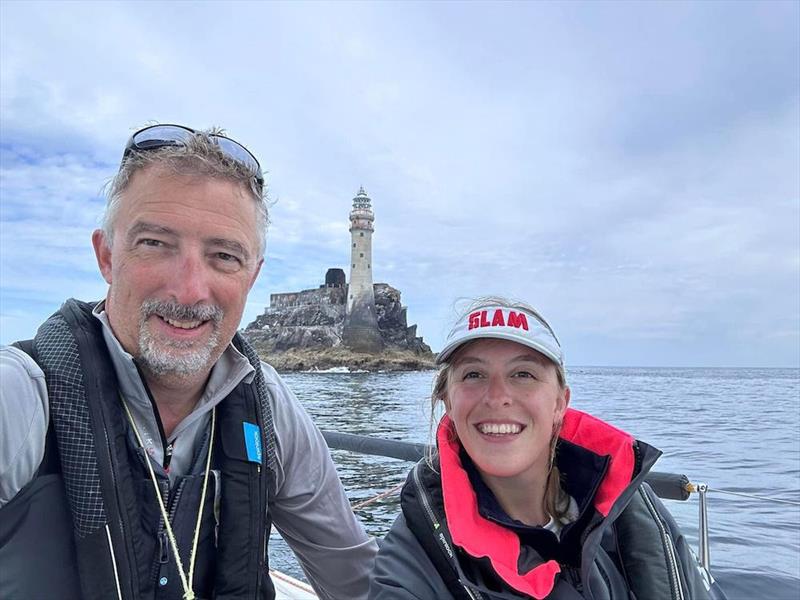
(186,581)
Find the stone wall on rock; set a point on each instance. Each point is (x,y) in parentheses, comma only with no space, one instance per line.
(298,325)
(320,295)
(314,319)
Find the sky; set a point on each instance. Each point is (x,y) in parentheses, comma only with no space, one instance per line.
(630,169)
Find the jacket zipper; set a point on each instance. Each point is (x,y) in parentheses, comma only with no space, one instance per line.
(637,459)
(425,502)
(572,577)
(423,494)
(666,540)
(173,505)
(163,540)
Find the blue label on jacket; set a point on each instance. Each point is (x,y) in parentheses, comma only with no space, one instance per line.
(252,441)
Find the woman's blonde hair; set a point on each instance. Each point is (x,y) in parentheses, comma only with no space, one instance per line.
(556,501)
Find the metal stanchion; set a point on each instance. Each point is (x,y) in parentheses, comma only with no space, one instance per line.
(705,554)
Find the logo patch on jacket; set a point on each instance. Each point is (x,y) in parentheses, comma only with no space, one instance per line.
(252,441)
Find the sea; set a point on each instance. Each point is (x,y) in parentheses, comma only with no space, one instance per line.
(735,429)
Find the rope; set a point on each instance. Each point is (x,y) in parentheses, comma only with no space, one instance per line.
(378,497)
(188,593)
(757,497)
(202,498)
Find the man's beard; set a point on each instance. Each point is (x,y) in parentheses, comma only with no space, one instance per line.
(174,357)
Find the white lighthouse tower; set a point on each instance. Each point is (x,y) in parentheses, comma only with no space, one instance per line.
(361,323)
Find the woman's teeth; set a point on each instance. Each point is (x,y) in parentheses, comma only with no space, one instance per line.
(499,428)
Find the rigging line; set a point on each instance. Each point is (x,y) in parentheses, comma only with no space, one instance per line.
(378,497)
(792,502)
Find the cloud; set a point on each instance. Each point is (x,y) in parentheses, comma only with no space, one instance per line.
(632,171)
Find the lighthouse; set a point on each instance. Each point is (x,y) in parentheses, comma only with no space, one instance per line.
(360,331)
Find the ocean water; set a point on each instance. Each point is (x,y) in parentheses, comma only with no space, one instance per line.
(734,429)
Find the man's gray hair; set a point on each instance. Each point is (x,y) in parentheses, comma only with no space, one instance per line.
(199,156)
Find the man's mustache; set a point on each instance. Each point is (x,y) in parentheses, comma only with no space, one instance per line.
(182,312)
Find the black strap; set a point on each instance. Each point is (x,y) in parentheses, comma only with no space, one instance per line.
(26,346)
(50,461)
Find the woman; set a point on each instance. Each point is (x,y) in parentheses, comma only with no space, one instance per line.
(525,497)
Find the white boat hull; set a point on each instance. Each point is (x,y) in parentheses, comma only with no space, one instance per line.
(289,588)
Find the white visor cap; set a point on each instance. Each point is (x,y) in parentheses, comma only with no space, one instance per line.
(502,323)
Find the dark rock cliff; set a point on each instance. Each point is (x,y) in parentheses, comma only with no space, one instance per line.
(304,331)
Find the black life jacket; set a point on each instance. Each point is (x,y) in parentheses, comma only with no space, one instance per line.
(88,526)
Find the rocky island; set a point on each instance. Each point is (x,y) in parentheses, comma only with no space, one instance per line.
(360,326)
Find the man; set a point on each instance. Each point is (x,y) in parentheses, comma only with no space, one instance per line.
(144,448)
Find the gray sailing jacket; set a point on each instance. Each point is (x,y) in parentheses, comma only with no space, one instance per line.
(311,511)
(625,545)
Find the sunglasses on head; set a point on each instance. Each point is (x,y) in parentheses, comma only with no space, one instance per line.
(161,136)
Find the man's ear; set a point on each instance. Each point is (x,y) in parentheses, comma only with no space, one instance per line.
(255,275)
(102,252)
